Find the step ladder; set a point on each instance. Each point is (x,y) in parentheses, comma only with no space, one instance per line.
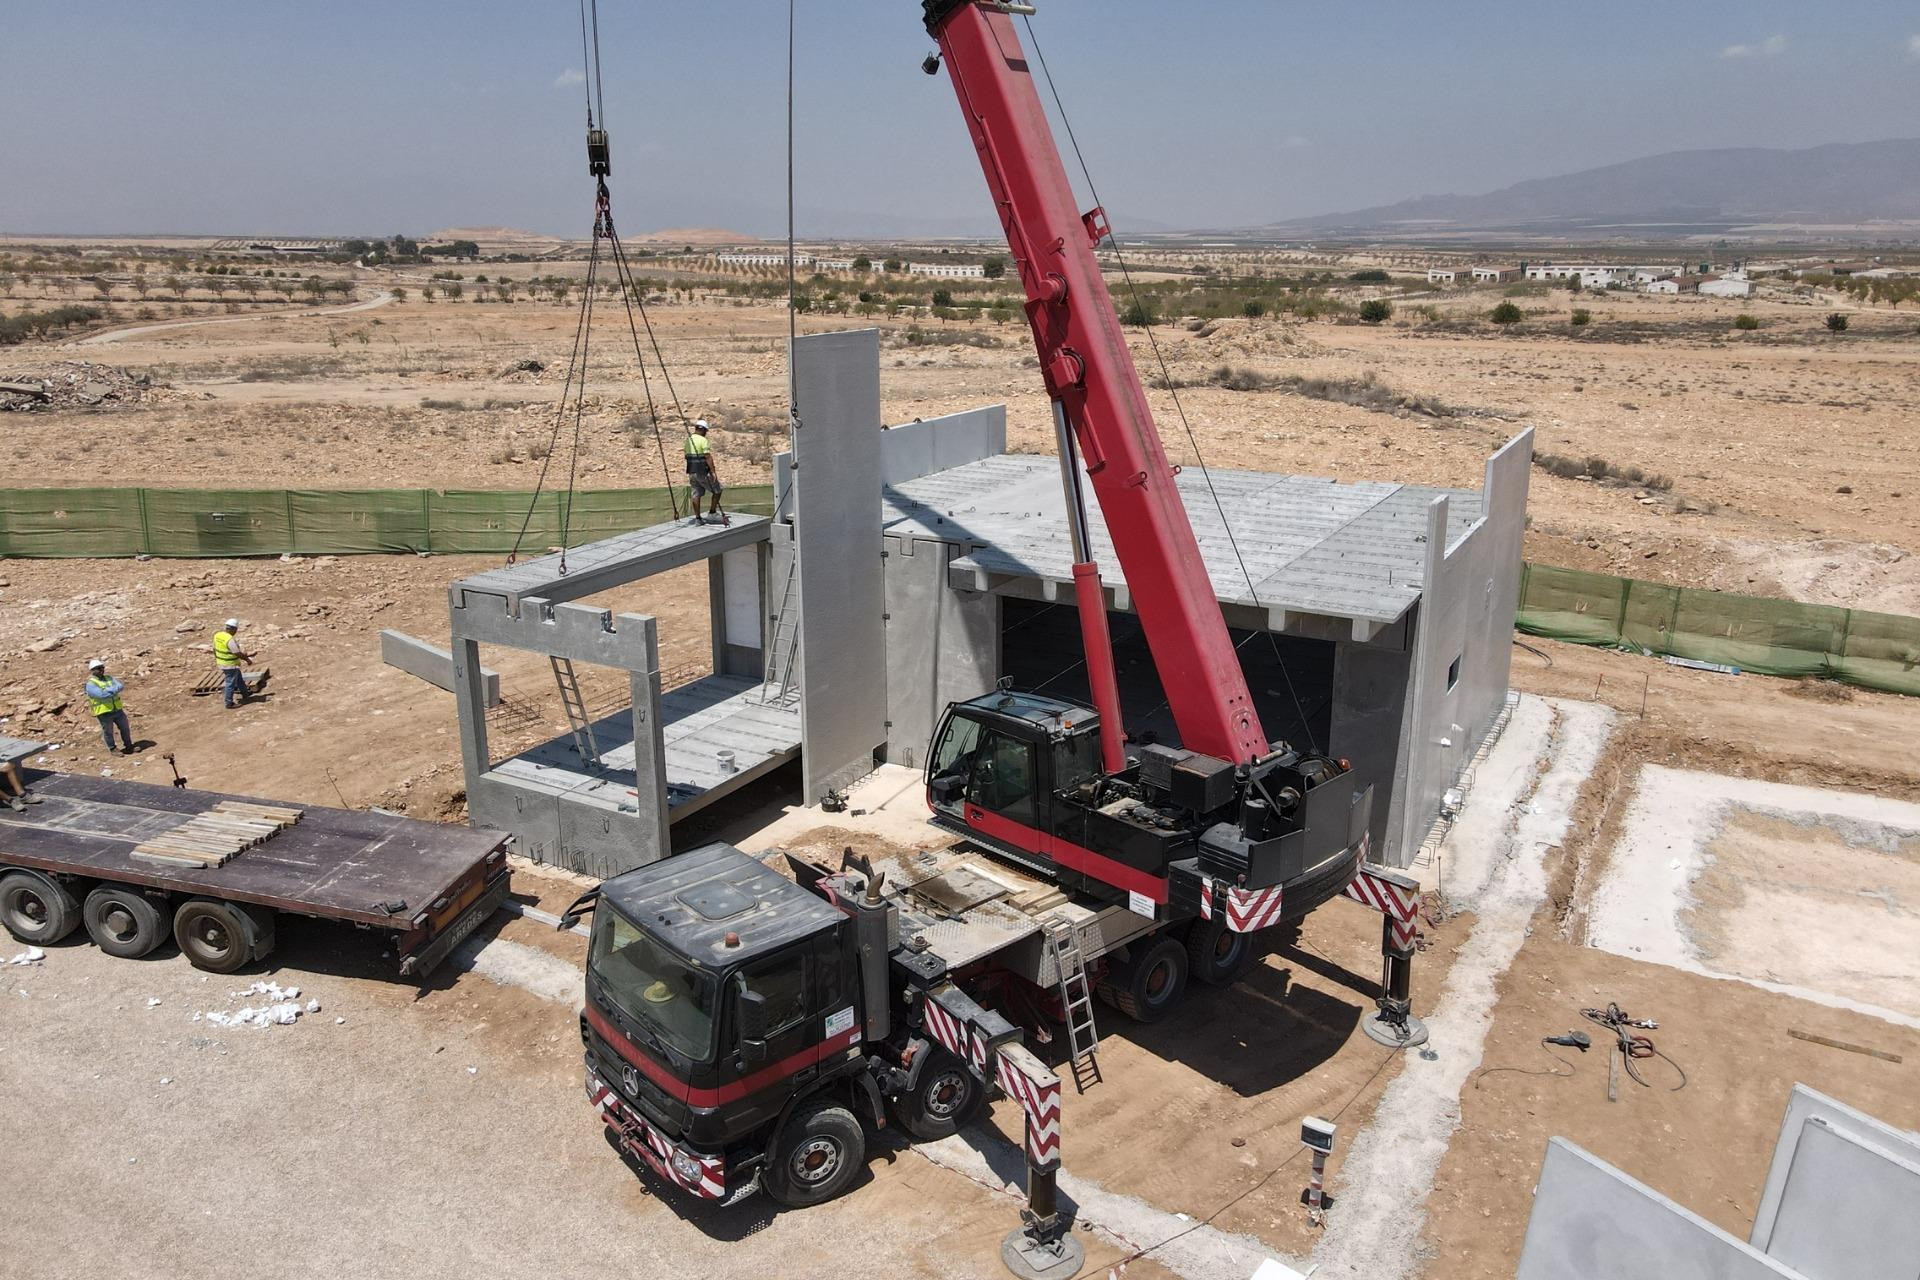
(576,709)
(1076,1001)
(782,650)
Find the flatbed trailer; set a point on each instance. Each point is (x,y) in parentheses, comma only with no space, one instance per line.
(72,861)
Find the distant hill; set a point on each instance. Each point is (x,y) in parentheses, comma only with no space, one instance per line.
(1838,183)
(694,235)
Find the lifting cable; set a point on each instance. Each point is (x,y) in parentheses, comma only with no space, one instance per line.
(793,314)
(1166,378)
(631,297)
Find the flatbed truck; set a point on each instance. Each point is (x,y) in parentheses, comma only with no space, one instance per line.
(71,862)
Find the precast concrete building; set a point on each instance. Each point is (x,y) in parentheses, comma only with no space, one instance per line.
(913,566)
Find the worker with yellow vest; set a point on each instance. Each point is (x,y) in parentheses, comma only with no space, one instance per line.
(103,698)
(231,658)
(702,479)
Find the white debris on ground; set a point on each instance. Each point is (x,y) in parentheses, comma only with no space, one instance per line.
(32,955)
(153,1002)
(282,1008)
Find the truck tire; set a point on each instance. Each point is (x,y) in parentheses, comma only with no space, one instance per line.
(943,1100)
(816,1157)
(37,909)
(1148,986)
(1216,955)
(220,937)
(123,922)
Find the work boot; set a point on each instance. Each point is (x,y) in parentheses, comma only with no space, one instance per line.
(31,798)
(698,519)
(127,750)
(16,804)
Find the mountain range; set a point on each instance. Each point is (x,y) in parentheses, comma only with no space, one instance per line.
(1843,183)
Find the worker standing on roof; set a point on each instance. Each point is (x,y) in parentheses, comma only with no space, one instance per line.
(103,696)
(702,479)
(231,658)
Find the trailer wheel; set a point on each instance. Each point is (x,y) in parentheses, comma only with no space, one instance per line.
(123,922)
(219,937)
(816,1157)
(37,909)
(1216,955)
(1148,986)
(943,1100)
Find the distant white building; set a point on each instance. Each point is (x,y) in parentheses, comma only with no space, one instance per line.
(948,270)
(1882,273)
(1495,275)
(1598,275)
(737,258)
(834,264)
(1727,286)
(1440,275)
(1668,285)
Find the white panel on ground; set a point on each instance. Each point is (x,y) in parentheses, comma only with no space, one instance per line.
(1591,1220)
(836,521)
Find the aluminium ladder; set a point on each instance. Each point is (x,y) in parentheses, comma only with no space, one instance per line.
(782,650)
(576,709)
(1076,1001)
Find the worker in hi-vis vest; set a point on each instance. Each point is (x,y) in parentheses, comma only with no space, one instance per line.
(230,658)
(702,479)
(103,698)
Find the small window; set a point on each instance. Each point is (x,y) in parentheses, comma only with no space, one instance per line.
(783,984)
(1453,672)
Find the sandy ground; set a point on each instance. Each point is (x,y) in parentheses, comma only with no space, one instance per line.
(269,1135)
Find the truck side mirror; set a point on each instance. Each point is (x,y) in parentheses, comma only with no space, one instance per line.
(753,1026)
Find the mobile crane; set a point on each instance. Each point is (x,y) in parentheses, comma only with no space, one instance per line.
(740,1025)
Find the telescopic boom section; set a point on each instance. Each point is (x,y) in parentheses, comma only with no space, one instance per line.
(1089,372)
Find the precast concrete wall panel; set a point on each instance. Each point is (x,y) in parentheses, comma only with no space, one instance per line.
(1841,1193)
(836,491)
(1592,1222)
(943,645)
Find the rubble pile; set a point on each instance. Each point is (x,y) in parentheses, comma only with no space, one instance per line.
(72,384)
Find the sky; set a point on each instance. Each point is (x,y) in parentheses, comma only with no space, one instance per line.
(361,118)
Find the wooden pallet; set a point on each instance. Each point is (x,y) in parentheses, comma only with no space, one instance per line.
(217,836)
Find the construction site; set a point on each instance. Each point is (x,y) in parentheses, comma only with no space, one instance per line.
(1227,793)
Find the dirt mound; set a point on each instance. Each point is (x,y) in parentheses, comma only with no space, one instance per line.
(72,384)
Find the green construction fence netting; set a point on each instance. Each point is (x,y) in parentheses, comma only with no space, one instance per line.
(94,523)
(1754,633)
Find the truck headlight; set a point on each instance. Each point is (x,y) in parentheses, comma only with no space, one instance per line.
(686,1167)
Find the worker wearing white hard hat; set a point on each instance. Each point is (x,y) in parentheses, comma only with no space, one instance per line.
(231,659)
(702,479)
(109,711)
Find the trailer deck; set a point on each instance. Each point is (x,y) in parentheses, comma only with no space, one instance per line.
(425,879)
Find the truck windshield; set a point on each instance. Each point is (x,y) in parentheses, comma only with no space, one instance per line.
(673,1000)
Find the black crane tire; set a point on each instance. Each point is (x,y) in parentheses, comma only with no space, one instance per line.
(942,1101)
(816,1156)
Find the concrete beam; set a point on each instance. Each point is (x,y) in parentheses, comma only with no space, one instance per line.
(431,663)
(612,562)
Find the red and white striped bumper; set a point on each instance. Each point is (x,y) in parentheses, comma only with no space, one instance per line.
(1245,910)
(704,1176)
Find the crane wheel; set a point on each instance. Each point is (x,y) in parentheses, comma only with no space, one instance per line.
(942,1101)
(123,922)
(816,1157)
(1216,955)
(1147,987)
(220,937)
(36,909)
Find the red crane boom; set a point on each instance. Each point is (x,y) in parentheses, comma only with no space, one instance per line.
(1091,377)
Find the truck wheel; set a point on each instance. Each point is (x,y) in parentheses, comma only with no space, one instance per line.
(36,909)
(1149,986)
(816,1157)
(1216,955)
(945,1098)
(123,922)
(219,937)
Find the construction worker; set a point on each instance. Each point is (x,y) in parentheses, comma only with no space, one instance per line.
(103,696)
(702,479)
(231,658)
(21,797)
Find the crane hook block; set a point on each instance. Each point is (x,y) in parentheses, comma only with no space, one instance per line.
(599,154)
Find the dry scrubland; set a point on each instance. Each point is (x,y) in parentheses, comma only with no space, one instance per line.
(1778,460)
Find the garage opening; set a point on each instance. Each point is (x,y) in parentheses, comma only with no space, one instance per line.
(1291,678)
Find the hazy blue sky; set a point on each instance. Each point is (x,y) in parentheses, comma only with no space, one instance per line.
(359,117)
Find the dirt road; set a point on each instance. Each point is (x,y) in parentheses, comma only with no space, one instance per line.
(142,330)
